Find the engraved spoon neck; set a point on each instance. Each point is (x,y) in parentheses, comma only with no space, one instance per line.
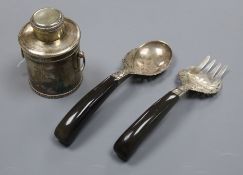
(120,74)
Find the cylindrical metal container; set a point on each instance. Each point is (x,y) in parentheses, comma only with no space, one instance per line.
(50,45)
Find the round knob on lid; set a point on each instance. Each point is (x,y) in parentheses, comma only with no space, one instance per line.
(48,24)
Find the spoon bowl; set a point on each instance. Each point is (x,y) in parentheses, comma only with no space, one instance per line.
(149,59)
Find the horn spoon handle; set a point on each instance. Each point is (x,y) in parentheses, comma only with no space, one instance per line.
(129,141)
(69,127)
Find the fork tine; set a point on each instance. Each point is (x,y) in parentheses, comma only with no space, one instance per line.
(204,62)
(209,66)
(221,73)
(215,70)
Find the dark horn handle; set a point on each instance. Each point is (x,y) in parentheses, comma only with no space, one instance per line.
(72,123)
(129,141)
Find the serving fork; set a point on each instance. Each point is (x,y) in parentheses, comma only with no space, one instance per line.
(206,78)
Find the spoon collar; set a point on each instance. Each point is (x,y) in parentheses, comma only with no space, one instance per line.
(120,74)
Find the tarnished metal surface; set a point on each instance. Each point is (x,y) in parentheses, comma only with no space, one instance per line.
(205,78)
(50,45)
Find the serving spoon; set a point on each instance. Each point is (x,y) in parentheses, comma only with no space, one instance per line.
(149,59)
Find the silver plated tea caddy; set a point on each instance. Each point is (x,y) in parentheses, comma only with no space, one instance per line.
(50,44)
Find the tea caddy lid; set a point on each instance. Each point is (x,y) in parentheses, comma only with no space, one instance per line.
(48,19)
(49,35)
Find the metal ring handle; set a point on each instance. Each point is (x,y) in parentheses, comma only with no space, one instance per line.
(81,55)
